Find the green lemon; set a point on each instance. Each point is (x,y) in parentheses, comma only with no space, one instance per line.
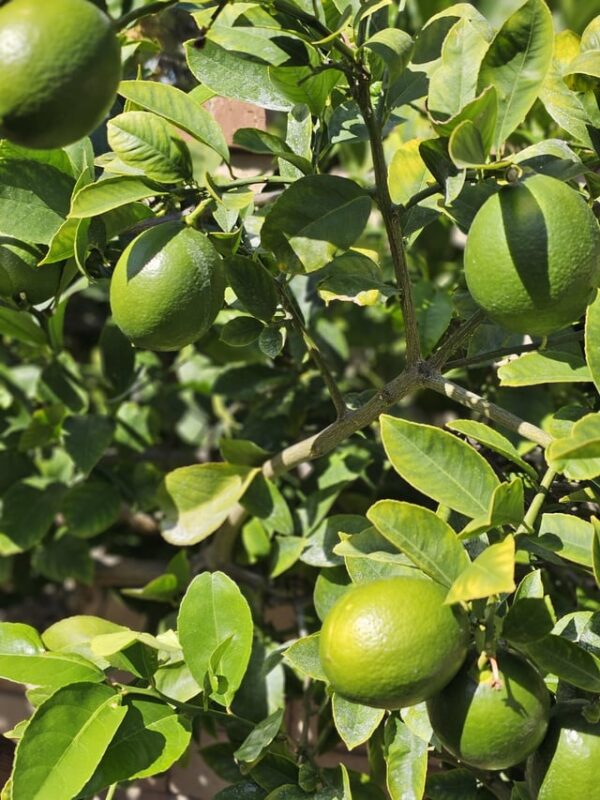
(566,765)
(167,287)
(21,277)
(393,643)
(492,724)
(60,65)
(533,256)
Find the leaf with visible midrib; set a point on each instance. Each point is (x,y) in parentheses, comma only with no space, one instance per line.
(439,465)
(517,62)
(64,742)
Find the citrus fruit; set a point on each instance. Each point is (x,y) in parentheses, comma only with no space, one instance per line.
(532,256)
(167,287)
(392,643)
(492,724)
(20,276)
(564,767)
(60,65)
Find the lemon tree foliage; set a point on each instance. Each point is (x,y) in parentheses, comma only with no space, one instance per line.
(299,397)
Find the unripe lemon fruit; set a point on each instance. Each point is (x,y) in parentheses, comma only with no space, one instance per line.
(532,256)
(60,65)
(393,643)
(566,765)
(20,276)
(488,723)
(167,287)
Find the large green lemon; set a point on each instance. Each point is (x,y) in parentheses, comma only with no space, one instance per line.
(21,277)
(393,643)
(60,65)
(489,724)
(533,256)
(566,765)
(167,287)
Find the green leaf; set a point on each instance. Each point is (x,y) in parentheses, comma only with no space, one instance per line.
(178,108)
(241,331)
(21,325)
(87,438)
(466,146)
(28,511)
(568,536)
(456,784)
(243,451)
(507,507)
(271,341)
(482,112)
(315,219)
(264,500)
(74,635)
(111,193)
(34,199)
(565,106)
(91,508)
(151,738)
(253,285)
(286,552)
(492,572)
(517,63)
(567,660)
(493,440)
(408,173)
(454,83)
(62,558)
(213,612)
(439,465)
(303,655)
(528,620)
(355,723)
(596,550)
(23,659)
(549,366)
(117,357)
(259,739)
(425,538)
(263,143)
(230,76)
(394,47)
(65,740)
(406,761)
(144,141)
(592,340)
(578,455)
(353,277)
(198,499)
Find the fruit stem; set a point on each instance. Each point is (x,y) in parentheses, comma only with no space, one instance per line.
(110,792)
(527,526)
(193,216)
(496,679)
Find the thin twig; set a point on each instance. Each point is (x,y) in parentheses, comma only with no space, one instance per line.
(442,385)
(493,355)
(138,13)
(313,350)
(391,220)
(456,340)
(417,198)
(527,526)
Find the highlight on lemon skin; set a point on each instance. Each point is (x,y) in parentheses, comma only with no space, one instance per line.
(393,643)
(532,258)
(60,66)
(168,287)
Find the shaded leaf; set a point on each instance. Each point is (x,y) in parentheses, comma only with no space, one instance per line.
(355,723)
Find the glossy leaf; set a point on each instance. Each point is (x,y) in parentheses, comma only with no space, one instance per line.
(507,507)
(355,723)
(439,465)
(490,438)
(425,538)
(568,661)
(259,739)
(568,536)
(315,219)
(106,195)
(578,455)
(517,62)
(214,615)
(198,499)
(178,108)
(492,572)
(549,366)
(303,655)
(150,739)
(65,740)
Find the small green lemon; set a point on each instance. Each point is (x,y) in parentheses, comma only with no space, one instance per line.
(20,276)
(60,65)
(393,643)
(532,256)
(167,287)
(565,766)
(489,724)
